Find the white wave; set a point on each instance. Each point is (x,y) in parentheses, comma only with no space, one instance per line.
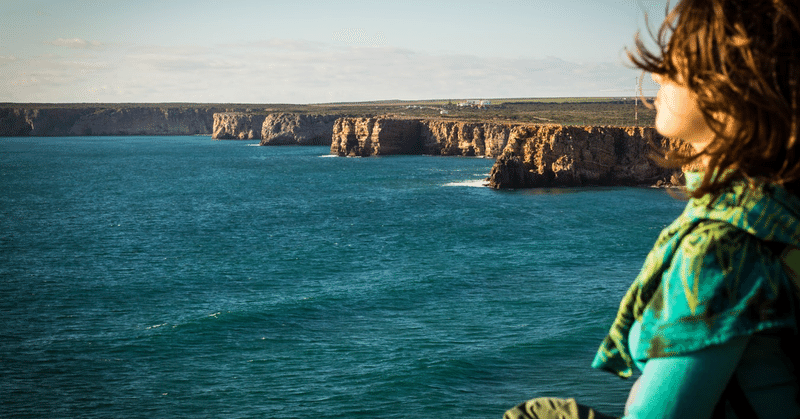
(328,155)
(477,183)
(254,145)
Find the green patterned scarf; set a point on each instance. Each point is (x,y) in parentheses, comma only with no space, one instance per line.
(713,274)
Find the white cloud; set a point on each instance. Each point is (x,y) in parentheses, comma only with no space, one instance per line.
(76,43)
(359,37)
(280,71)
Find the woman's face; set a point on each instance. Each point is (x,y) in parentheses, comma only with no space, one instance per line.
(678,115)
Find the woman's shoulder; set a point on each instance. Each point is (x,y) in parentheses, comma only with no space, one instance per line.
(722,282)
(718,260)
(713,244)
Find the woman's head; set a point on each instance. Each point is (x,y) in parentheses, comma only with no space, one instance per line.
(739,64)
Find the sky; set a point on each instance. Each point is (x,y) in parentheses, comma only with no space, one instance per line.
(302,51)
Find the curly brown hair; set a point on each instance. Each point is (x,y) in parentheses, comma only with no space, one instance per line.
(742,60)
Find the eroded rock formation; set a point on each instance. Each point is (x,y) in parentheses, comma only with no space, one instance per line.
(301,129)
(386,135)
(448,138)
(576,156)
(237,126)
(529,155)
(376,136)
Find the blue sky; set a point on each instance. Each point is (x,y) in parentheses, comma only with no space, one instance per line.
(298,51)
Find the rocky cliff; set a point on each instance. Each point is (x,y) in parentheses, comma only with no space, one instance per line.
(529,155)
(128,120)
(275,128)
(384,136)
(237,126)
(545,156)
(376,136)
(302,129)
(459,138)
(221,122)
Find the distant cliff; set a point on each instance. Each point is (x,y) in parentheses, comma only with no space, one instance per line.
(129,120)
(275,128)
(530,155)
(220,123)
(376,136)
(301,129)
(383,136)
(237,126)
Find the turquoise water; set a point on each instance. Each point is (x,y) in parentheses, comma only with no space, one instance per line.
(185,277)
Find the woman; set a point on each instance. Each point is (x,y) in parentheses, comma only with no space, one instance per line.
(711,320)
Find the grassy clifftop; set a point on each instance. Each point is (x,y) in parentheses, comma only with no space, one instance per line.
(563,111)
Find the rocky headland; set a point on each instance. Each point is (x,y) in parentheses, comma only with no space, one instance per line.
(558,156)
(528,155)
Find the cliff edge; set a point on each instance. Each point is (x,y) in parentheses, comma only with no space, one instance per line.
(529,156)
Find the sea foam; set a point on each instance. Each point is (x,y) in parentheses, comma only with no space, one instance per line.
(476,183)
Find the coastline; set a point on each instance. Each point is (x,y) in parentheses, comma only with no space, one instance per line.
(528,154)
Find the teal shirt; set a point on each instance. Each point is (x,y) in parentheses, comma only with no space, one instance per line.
(688,386)
(712,275)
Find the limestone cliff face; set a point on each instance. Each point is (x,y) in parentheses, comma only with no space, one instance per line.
(529,155)
(237,126)
(386,135)
(376,136)
(145,121)
(546,155)
(461,138)
(70,121)
(301,129)
(39,122)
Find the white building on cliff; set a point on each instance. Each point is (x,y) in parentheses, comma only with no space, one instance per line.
(475,103)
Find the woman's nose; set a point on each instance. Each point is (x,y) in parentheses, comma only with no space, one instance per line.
(656,77)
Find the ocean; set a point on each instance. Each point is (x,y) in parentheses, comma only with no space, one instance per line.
(146,277)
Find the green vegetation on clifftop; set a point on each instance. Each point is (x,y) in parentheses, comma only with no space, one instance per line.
(562,111)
